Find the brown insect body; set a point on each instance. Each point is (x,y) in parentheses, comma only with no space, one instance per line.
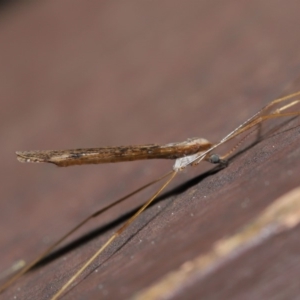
(101,155)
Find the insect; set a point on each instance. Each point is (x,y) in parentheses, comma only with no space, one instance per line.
(188,153)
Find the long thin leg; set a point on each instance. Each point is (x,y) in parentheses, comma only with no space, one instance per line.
(114,236)
(261,119)
(258,118)
(251,125)
(30,265)
(259,113)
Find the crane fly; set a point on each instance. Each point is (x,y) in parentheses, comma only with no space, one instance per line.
(188,153)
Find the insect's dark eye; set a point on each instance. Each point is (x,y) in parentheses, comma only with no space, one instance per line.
(214,159)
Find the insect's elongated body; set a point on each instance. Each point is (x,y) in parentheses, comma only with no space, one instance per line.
(64,158)
(190,152)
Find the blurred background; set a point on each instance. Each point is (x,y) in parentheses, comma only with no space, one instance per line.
(79,74)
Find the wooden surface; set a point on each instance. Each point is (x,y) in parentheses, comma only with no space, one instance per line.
(106,73)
